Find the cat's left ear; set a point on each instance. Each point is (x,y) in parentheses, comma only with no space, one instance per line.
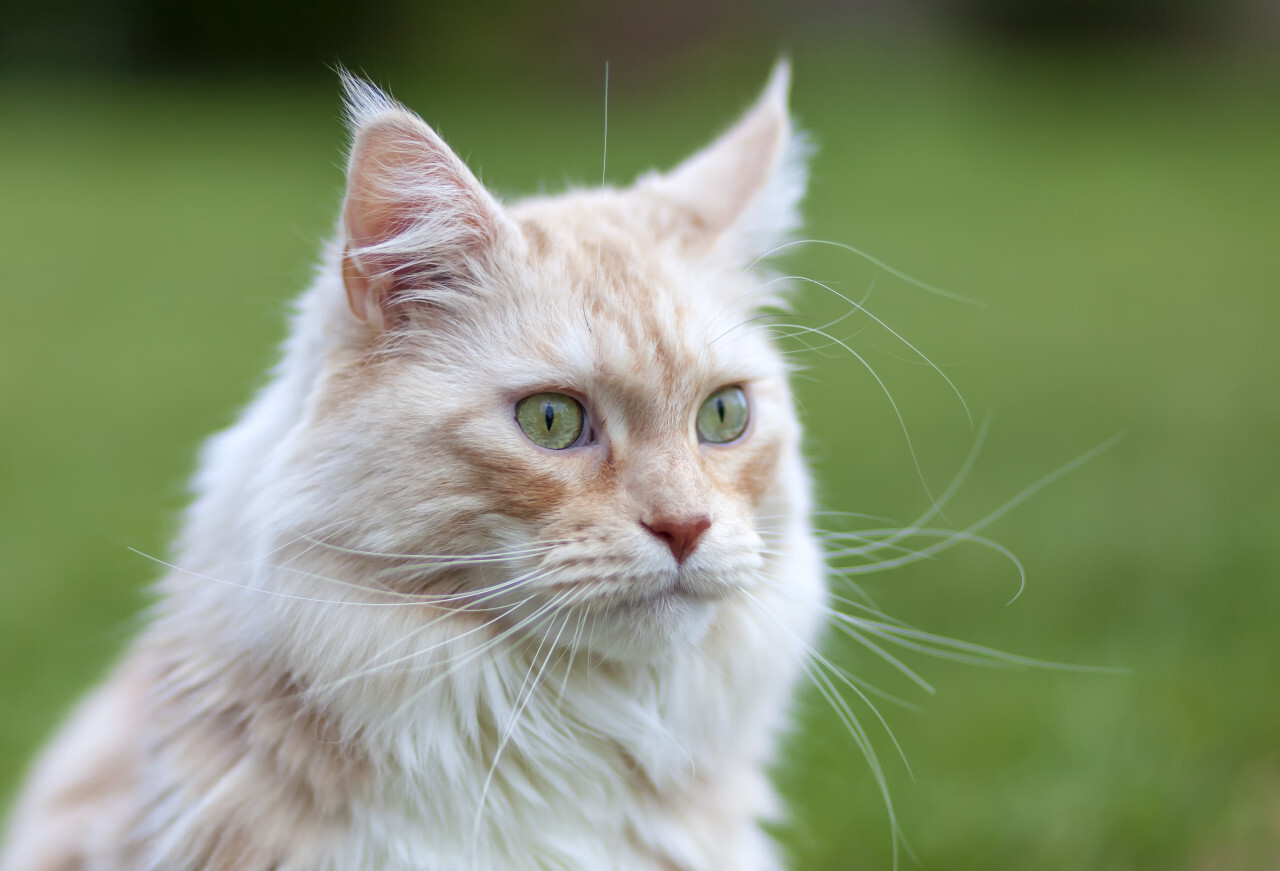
(742,192)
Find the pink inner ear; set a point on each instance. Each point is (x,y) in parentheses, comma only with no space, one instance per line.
(375,212)
(358,290)
(389,164)
(414,214)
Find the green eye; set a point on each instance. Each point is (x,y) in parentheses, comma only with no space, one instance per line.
(723,417)
(551,420)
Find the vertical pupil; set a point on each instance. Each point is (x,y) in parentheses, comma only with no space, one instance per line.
(720,407)
(551,415)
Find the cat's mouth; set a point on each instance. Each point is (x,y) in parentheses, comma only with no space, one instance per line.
(673,597)
(702,591)
(645,592)
(644,625)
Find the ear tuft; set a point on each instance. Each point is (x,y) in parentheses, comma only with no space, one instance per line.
(743,191)
(417,222)
(362,101)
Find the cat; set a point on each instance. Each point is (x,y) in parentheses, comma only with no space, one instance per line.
(508,566)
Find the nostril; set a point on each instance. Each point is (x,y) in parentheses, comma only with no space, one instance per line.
(680,534)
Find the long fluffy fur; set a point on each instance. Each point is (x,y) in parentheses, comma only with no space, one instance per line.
(397,635)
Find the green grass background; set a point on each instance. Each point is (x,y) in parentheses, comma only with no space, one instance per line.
(1118,219)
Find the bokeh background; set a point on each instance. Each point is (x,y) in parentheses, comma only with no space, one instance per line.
(1103,177)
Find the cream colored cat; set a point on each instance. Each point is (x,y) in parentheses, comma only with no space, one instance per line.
(508,567)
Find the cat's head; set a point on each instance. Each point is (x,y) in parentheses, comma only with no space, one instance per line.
(578,386)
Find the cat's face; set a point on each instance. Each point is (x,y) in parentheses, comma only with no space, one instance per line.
(575,385)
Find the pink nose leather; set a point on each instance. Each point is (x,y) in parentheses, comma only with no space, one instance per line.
(681,534)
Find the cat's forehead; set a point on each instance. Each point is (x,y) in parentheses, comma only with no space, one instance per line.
(623,256)
(625,300)
(637,217)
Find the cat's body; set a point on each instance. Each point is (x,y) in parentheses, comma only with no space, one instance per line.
(401,635)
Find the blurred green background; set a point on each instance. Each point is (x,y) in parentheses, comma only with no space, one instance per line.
(1103,177)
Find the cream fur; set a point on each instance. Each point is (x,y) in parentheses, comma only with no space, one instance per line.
(307,694)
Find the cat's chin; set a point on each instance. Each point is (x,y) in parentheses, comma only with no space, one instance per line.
(650,629)
(642,630)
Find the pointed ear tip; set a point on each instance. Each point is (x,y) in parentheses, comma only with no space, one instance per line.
(778,88)
(353,86)
(363,101)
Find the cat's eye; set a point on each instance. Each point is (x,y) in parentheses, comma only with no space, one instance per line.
(552,420)
(723,417)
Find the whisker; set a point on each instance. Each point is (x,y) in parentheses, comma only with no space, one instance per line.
(391,664)
(573,650)
(277,593)
(935,509)
(825,686)
(466,597)
(812,348)
(442,562)
(870,544)
(343,524)
(844,674)
(485,647)
(495,554)
(886,656)
(856,514)
(949,540)
(896,273)
(888,395)
(778,279)
(855,588)
(905,636)
(900,338)
(522,702)
(969,532)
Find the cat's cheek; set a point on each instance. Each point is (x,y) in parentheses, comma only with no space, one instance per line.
(746,473)
(523,485)
(758,472)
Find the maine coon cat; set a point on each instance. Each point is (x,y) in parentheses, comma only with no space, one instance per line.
(509,566)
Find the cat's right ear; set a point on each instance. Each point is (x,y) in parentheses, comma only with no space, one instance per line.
(417,224)
(742,192)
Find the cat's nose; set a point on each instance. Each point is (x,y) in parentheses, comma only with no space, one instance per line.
(681,534)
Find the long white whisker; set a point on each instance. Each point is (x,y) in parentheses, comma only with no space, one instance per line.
(939,645)
(466,597)
(845,676)
(604,157)
(391,664)
(896,273)
(520,550)
(885,389)
(442,562)
(886,656)
(829,691)
(860,307)
(968,533)
(949,540)
(522,702)
(778,279)
(484,648)
(935,509)
(277,593)
(573,650)
(818,657)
